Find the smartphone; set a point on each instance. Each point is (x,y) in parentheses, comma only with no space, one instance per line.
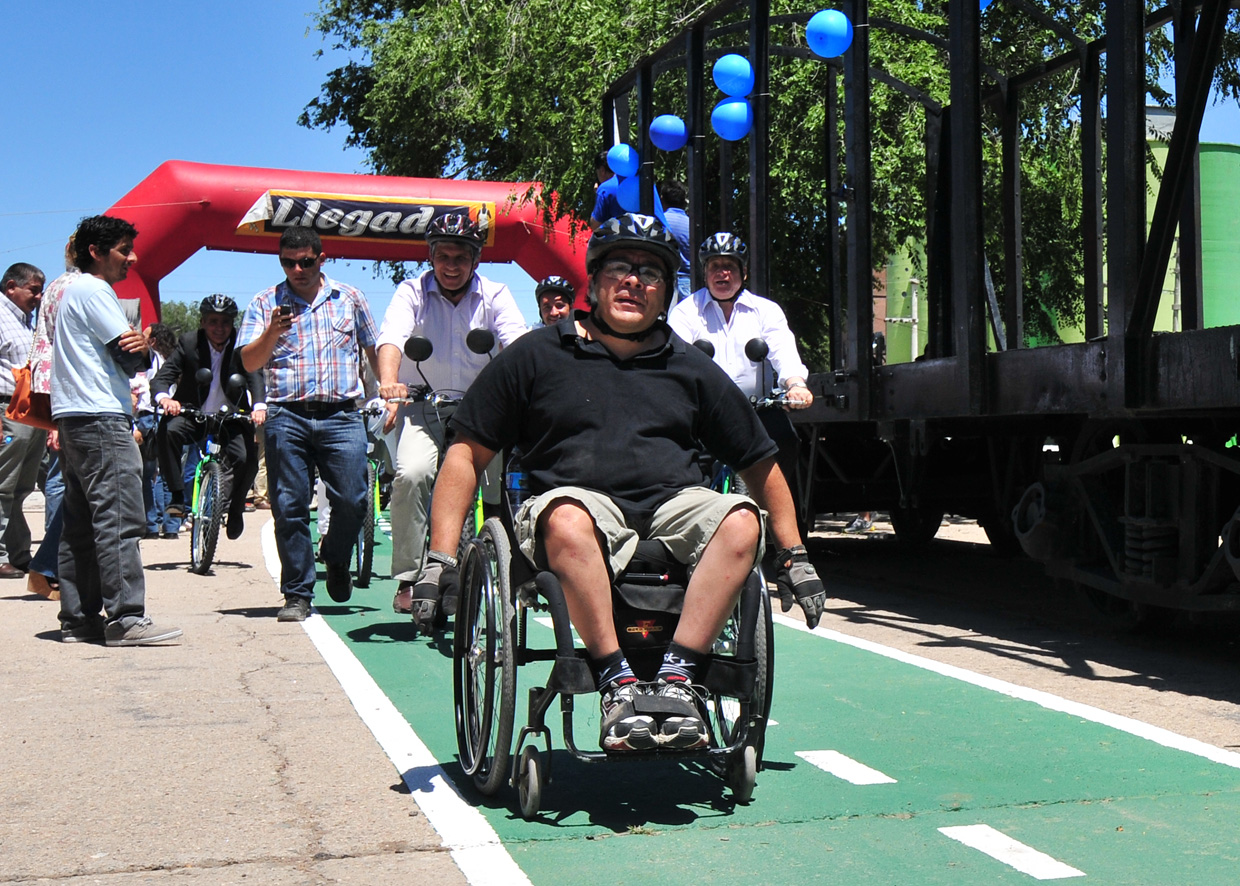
(285,310)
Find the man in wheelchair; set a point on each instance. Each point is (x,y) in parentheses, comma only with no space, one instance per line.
(611,412)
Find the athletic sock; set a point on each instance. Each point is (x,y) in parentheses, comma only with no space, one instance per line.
(680,664)
(612,669)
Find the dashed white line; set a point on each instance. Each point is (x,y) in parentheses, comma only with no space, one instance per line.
(1157,734)
(1012,853)
(845,767)
(474,845)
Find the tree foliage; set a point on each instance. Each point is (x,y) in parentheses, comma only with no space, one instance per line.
(510,90)
(182,317)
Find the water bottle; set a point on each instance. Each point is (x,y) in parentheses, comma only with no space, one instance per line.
(518,484)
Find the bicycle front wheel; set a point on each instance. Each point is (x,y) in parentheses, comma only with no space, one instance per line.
(208,512)
(365,552)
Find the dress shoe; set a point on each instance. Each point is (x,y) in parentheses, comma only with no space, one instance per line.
(8,570)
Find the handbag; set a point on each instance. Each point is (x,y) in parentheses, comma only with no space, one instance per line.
(26,406)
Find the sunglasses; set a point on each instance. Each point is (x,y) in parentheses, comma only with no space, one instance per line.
(304,263)
(647,275)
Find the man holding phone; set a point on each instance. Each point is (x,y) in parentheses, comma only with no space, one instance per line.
(306,332)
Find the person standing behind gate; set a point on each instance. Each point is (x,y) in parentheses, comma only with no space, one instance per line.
(442,304)
(94,355)
(306,333)
(22,447)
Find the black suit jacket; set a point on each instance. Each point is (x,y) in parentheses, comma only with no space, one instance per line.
(193,351)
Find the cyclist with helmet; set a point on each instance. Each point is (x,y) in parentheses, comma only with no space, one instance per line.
(555,299)
(213,346)
(443,304)
(611,412)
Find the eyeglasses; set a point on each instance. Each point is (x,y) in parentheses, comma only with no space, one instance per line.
(304,263)
(647,275)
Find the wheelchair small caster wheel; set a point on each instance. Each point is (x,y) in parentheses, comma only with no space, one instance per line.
(529,782)
(743,773)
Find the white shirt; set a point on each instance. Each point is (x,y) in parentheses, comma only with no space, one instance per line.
(418,307)
(85,378)
(700,317)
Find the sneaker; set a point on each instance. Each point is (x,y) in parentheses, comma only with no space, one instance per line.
(175,509)
(339,583)
(859,525)
(623,729)
(682,730)
(295,608)
(91,632)
(140,633)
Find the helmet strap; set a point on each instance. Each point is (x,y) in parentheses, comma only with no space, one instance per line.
(602,327)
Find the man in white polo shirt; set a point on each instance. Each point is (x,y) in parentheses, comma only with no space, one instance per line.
(442,304)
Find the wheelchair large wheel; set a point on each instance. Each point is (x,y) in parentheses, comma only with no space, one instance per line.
(484,660)
(207,517)
(365,553)
(741,766)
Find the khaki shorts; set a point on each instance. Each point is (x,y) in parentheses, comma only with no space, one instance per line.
(685,523)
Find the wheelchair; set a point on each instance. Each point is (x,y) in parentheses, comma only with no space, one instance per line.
(499,590)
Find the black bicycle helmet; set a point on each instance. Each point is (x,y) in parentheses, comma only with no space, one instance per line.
(554,284)
(724,245)
(637,231)
(218,304)
(456,227)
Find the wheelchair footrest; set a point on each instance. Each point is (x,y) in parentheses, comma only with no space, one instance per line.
(571,675)
(731,677)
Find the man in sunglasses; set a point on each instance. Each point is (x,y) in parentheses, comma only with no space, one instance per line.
(307,333)
(612,412)
(443,304)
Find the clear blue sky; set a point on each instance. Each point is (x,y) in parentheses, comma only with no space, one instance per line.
(98,95)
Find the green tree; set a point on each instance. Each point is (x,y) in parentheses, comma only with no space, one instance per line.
(182,317)
(510,90)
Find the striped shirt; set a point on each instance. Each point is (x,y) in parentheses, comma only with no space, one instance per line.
(316,360)
(15,338)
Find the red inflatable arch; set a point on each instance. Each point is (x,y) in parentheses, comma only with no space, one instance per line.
(181,207)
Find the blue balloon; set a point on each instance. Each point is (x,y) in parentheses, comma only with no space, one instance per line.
(829,33)
(732,119)
(629,193)
(623,160)
(668,133)
(734,75)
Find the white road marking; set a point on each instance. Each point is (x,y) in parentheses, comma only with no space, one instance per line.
(546,622)
(1156,734)
(844,767)
(474,845)
(1012,853)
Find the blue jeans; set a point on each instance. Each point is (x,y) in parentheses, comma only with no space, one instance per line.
(46,557)
(156,497)
(297,443)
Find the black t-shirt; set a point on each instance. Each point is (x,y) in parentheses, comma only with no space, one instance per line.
(632,429)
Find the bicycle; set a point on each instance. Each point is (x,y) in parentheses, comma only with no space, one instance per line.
(722,477)
(376,457)
(206,511)
(418,349)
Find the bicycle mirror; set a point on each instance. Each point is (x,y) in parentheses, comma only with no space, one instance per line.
(480,341)
(418,348)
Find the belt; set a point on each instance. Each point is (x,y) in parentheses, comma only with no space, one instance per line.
(319,407)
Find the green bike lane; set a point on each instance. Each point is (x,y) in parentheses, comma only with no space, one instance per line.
(1077,797)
